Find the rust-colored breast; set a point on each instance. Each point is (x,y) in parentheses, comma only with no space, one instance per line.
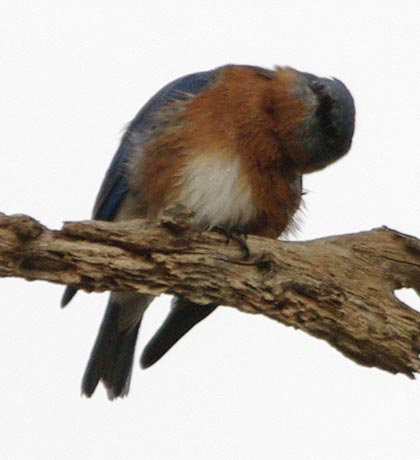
(233,119)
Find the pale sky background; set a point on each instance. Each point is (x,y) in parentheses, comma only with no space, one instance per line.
(239,386)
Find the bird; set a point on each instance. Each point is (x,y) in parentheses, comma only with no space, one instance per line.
(231,144)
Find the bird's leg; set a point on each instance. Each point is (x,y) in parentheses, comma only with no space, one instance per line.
(237,234)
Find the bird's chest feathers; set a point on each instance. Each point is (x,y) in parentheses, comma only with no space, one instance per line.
(215,188)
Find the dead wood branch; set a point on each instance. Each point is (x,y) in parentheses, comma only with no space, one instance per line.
(340,288)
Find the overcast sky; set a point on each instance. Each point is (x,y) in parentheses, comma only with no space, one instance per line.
(238,386)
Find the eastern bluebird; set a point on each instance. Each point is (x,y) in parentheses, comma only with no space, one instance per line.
(230,144)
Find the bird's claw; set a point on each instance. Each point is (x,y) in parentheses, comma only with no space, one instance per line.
(236,234)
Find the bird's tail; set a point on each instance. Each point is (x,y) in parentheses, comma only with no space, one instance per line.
(111,359)
(183,316)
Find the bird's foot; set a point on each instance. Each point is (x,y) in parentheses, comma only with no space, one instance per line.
(236,234)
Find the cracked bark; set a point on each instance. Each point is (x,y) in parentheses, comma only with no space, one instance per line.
(339,289)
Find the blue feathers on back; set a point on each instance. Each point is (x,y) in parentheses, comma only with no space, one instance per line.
(114,186)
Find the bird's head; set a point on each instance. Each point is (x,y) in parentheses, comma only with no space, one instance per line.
(313,118)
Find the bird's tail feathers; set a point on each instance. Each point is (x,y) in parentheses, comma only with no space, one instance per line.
(111,360)
(183,316)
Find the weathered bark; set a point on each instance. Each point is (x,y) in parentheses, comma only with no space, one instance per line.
(338,288)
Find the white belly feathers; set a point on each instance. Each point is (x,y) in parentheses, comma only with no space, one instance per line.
(213,187)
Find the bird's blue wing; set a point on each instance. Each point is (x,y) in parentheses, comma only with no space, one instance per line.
(114,186)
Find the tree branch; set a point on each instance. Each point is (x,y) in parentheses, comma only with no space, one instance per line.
(339,289)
